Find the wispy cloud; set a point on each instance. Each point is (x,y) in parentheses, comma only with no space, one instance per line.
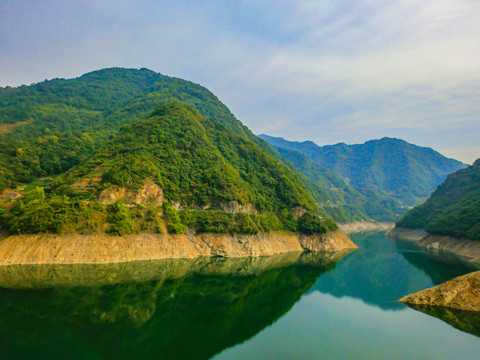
(328,71)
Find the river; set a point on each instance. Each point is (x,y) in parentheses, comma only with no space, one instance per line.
(293,306)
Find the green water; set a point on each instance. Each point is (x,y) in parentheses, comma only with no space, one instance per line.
(309,306)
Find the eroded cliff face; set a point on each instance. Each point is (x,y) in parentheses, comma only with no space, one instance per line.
(102,249)
(149,192)
(461,293)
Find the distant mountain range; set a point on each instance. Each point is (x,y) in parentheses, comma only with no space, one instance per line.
(379,179)
(453,209)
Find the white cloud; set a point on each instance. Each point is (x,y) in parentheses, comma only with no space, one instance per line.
(295,68)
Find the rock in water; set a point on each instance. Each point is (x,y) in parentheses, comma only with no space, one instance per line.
(461,293)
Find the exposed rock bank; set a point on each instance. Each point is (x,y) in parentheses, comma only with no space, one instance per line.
(407,234)
(360,226)
(103,249)
(461,293)
(468,250)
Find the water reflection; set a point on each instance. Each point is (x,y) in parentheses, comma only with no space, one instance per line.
(467,321)
(380,272)
(175,309)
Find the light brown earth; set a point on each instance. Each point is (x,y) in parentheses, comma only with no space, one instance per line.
(461,293)
(102,249)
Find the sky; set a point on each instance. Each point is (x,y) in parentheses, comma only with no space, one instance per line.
(326,71)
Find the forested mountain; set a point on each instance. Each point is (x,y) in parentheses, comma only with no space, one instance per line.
(453,209)
(219,179)
(49,127)
(390,167)
(342,202)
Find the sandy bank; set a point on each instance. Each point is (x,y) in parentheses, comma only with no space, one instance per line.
(104,249)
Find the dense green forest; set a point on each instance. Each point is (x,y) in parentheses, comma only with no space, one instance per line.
(453,209)
(49,127)
(342,202)
(199,164)
(386,168)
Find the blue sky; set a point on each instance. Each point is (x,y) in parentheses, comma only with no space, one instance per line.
(327,71)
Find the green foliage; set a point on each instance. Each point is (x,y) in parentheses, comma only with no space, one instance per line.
(310,224)
(172,219)
(37,214)
(58,124)
(391,172)
(98,127)
(453,209)
(342,202)
(120,219)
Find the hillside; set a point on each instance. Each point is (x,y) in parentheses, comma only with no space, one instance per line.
(453,209)
(49,127)
(174,169)
(342,202)
(391,167)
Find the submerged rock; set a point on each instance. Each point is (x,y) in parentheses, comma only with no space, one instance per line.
(461,293)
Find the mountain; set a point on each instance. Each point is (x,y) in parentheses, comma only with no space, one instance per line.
(47,128)
(342,202)
(453,209)
(391,167)
(220,181)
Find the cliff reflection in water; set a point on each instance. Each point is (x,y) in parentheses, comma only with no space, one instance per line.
(173,309)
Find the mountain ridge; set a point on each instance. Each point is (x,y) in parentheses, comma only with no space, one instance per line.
(390,166)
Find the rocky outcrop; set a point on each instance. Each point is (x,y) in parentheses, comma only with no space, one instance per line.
(361,226)
(461,293)
(236,207)
(149,192)
(101,248)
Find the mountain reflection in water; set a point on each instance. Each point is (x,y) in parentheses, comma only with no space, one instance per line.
(380,272)
(175,309)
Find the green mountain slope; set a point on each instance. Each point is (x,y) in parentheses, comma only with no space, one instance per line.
(453,209)
(343,202)
(391,167)
(47,128)
(176,155)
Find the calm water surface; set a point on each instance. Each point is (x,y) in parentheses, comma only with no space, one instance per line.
(310,306)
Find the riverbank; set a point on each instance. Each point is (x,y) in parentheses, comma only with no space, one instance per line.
(105,249)
(467,250)
(361,226)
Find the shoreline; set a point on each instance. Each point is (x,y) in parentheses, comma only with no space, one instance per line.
(466,250)
(363,226)
(30,249)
